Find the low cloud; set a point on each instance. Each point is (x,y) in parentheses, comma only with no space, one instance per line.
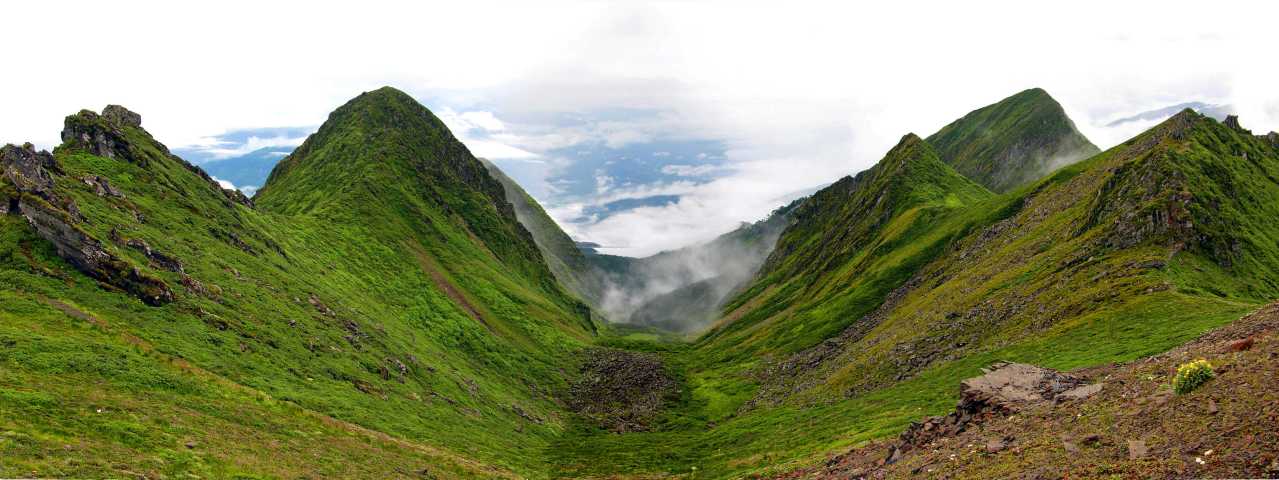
(480,132)
(692,170)
(241,142)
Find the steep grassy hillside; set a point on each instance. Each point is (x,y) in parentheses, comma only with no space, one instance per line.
(567,262)
(819,277)
(1168,210)
(1013,142)
(381,311)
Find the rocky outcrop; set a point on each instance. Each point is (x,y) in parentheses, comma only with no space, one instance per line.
(236,196)
(157,258)
(1004,389)
(100,136)
(620,390)
(28,170)
(56,219)
(87,254)
(121,116)
(101,186)
(1232,121)
(107,135)
(1273,138)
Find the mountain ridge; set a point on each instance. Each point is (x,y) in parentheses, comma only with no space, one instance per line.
(1012,142)
(840,226)
(388,307)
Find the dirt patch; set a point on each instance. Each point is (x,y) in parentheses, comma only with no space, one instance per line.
(74,312)
(621,391)
(427,263)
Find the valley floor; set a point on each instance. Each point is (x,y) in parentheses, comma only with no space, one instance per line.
(707,433)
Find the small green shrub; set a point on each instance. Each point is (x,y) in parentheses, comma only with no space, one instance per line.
(1191,375)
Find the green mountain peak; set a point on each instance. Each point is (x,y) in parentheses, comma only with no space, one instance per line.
(1012,142)
(835,235)
(384,161)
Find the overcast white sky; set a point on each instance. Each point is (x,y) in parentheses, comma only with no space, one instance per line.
(798,93)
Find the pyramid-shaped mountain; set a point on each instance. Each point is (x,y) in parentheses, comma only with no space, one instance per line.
(1012,142)
(384,160)
(382,298)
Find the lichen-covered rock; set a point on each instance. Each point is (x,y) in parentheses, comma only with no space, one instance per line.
(88,255)
(97,135)
(121,116)
(101,186)
(1008,387)
(1005,388)
(55,218)
(29,170)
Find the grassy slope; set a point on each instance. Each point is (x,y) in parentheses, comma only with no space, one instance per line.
(393,264)
(1224,429)
(1047,275)
(565,260)
(810,287)
(1013,142)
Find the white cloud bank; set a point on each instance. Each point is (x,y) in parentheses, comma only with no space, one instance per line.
(221,149)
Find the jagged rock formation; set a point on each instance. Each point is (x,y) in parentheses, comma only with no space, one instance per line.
(108,135)
(55,218)
(1232,122)
(1012,142)
(1006,388)
(100,135)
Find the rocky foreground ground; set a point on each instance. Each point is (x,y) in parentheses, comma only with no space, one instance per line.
(621,391)
(1115,421)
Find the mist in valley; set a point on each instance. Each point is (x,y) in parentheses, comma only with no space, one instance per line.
(682,290)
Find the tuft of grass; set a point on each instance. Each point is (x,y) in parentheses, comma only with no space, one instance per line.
(1191,375)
